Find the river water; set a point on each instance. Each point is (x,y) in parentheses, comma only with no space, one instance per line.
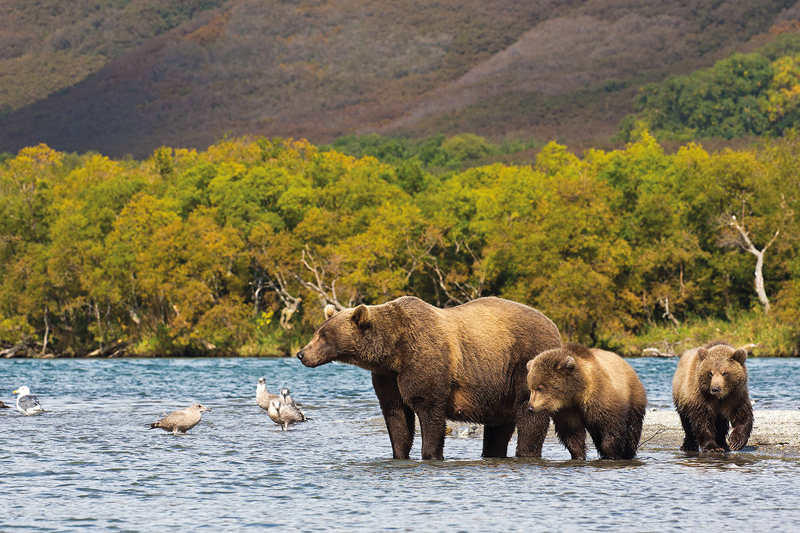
(90,463)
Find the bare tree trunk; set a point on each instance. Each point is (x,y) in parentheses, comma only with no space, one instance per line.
(99,324)
(290,303)
(669,315)
(747,245)
(46,331)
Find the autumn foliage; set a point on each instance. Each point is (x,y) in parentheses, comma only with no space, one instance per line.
(238,248)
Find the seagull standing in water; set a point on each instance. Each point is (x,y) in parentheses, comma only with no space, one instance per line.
(182,420)
(285,414)
(264,397)
(27,403)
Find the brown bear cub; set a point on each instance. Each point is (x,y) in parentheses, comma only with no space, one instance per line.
(589,390)
(464,363)
(710,393)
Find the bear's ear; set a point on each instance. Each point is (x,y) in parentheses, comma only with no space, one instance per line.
(702,353)
(330,310)
(569,363)
(361,316)
(529,365)
(739,356)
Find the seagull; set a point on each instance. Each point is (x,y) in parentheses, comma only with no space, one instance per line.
(27,403)
(286,398)
(263,397)
(285,414)
(182,420)
(274,411)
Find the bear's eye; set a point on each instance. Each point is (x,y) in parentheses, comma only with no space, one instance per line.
(539,388)
(710,373)
(724,373)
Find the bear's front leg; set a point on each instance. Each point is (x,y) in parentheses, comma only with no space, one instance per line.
(571,433)
(742,423)
(721,432)
(689,444)
(398,416)
(531,431)
(433,425)
(703,424)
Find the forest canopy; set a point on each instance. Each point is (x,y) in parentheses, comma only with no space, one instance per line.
(744,94)
(237,249)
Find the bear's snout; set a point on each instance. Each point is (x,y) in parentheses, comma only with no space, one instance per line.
(715,390)
(300,355)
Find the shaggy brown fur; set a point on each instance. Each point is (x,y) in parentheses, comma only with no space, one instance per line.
(589,390)
(464,363)
(710,392)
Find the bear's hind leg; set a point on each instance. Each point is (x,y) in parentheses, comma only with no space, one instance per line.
(531,431)
(610,443)
(635,421)
(398,416)
(495,440)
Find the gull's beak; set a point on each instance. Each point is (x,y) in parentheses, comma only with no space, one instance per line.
(15,392)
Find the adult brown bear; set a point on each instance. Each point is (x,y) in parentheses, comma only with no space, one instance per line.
(710,392)
(465,363)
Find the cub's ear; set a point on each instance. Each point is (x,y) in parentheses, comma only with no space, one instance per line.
(569,363)
(330,310)
(529,365)
(739,356)
(361,316)
(702,353)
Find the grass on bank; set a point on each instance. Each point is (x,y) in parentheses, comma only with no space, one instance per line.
(765,335)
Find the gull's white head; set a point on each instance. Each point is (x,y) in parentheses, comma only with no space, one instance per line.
(22,391)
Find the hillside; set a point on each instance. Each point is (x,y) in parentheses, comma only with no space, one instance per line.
(133,75)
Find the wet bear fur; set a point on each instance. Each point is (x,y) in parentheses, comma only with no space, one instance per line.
(710,394)
(464,363)
(589,390)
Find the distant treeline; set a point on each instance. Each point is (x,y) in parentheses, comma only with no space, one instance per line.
(743,94)
(237,249)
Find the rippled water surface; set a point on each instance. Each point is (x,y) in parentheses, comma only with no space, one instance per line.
(91,463)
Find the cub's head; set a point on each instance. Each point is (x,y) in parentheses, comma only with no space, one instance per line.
(339,338)
(721,370)
(554,380)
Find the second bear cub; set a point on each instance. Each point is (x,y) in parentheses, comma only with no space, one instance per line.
(590,390)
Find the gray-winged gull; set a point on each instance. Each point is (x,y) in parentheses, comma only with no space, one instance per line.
(263,397)
(285,414)
(286,398)
(182,420)
(27,403)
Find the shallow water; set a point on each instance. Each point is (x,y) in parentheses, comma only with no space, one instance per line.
(90,462)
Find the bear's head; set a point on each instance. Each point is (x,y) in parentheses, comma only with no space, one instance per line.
(339,338)
(721,370)
(554,380)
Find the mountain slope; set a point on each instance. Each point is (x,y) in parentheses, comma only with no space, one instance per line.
(320,69)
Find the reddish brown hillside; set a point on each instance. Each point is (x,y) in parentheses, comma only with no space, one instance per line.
(319,69)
